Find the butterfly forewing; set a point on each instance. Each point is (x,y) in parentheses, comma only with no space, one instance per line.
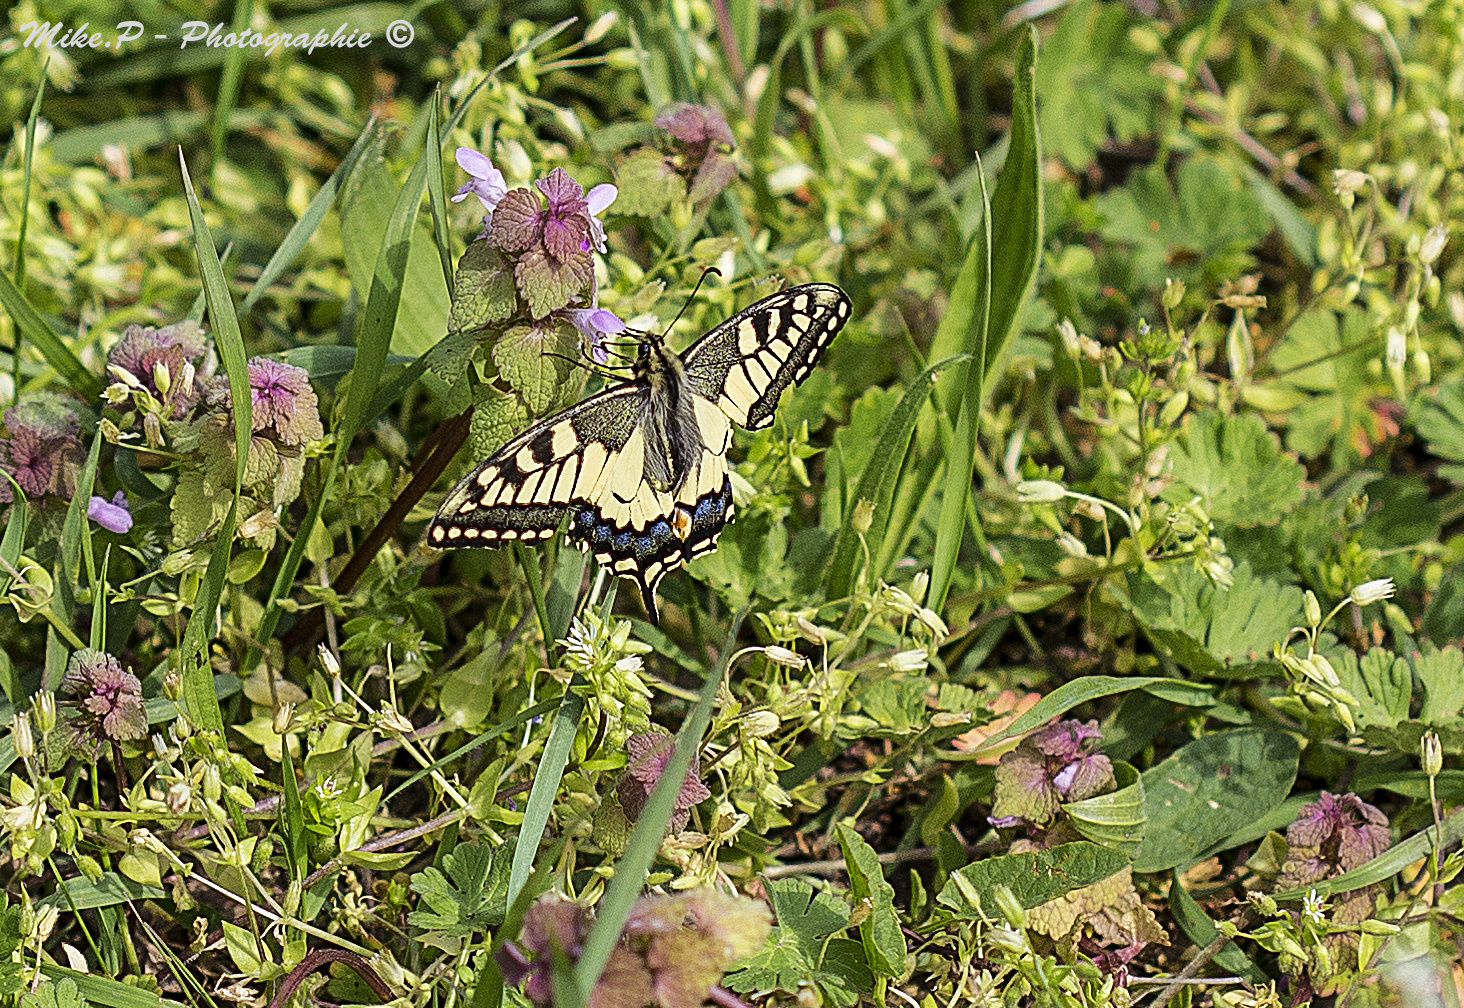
(600,461)
(745,364)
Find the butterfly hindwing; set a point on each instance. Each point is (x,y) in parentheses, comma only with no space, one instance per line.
(522,490)
(745,364)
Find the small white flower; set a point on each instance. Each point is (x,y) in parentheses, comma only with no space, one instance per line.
(1372,591)
(1314,908)
(1040,491)
(908,661)
(1433,244)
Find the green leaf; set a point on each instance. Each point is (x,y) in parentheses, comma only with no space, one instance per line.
(470,897)
(1442,675)
(1209,789)
(1096,86)
(1034,877)
(1381,682)
(1214,631)
(1114,820)
(1325,364)
(241,948)
(800,952)
(884,942)
(877,484)
(1201,930)
(1236,464)
(32,329)
(1070,695)
(483,290)
(647,184)
(104,991)
(526,357)
(62,993)
(1438,416)
(82,893)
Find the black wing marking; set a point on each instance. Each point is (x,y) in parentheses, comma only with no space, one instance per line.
(744,364)
(590,461)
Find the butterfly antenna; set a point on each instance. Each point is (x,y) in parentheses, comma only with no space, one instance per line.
(687,304)
(591,368)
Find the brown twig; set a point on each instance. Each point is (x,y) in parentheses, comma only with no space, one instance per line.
(431,461)
(321,958)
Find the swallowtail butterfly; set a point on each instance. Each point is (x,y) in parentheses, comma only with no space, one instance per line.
(641,468)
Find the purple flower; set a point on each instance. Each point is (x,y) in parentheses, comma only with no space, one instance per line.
(42,450)
(566,227)
(649,753)
(283,403)
(142,348)
(487,181)
(114,515)
(594,325)
(1345,830)
(694,124)
(597,201)
(108,701)
(1057,764)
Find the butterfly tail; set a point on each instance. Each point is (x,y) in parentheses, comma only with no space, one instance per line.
(648,599)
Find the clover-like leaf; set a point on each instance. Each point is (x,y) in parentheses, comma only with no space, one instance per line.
(467,899)
(799,951)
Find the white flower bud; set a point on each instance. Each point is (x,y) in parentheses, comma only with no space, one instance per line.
(908,661)
(1433,244)
(1040,491)
(1312,609)
(328,662)
(1432,754)
(761,724)
(782,656)
(1372,591)
(21,737)
(43,711)
(392,720)
(282,717)
(162,377)
(1346,181)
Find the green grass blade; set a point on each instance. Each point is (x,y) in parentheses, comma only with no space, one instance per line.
(304,228)
(198,686)
(986,307)
(25,190)
(437,196)
(31,328)
(546,784)
(228,92)
(877,482)
(523,716)
(645,839)
(1389,863)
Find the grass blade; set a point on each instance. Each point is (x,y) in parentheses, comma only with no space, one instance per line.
(31,328)
(877,483)
(546,785)
(198,686)
(645,839)
(986,307)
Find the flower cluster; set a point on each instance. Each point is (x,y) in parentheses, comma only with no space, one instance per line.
(108,701)
(164,363)
(40,450)
(701,146)
(1333,835)
(545,237)
(1057,764)
(672,952)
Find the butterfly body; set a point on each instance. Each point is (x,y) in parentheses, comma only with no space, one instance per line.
(641,468)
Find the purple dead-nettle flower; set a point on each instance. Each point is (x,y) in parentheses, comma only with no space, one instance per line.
(1057,764)
(142,350)
(566,227)
(597,201)
(114,515)
(694,124)
(283,400)
(649,753)
(595,325)
(1346,830)
(487,181)
(41,451)
(108,700)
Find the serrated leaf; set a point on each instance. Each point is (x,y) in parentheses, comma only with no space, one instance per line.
(484,289)
(524,356)
(1211,788)
(1215,631)
(62,993)
(884,942)
(1237,466)
(1442,675)
(1114,820)
(1438,416)
(1033,877)
(548,283)
(799,951)
(1327,362)
(469,897)
(1381,682)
